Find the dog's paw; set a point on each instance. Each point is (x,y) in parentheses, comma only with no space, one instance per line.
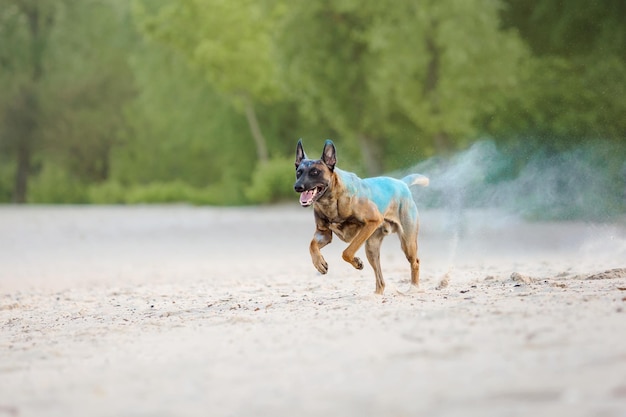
(413,290)
(321,265)
(357,263)
(354,261)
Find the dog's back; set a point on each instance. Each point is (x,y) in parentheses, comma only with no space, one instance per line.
(382,191)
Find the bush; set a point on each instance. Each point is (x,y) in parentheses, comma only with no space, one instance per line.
(159,192)
(226,193)
(7,173)
(53,185)
(110,192)
(272,182)
(113,192)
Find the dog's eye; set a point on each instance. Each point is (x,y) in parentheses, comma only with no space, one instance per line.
(314,172)
(298,173)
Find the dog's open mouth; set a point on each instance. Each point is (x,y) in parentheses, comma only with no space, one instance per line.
(308,197)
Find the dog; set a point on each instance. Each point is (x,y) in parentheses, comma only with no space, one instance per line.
(359,211)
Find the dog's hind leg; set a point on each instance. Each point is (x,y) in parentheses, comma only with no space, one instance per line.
(408,241)
(372,250)
(409,220)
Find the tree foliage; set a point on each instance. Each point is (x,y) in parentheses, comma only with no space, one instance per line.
(25,27)
(63,96)
(229,42)
(573,90)
(418,71)
(202,100)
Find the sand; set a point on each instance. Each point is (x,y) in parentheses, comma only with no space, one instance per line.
(187,311)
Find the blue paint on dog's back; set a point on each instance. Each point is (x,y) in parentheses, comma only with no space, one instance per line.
(380,190)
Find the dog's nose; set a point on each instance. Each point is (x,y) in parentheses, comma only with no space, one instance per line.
(299,188)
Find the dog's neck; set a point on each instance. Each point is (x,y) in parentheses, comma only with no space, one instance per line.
(328,203)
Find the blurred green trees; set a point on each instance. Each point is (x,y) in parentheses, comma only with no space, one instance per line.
(574,88)
(203,100)
(64,80)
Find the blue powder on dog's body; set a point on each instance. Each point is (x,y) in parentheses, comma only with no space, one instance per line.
(380,190)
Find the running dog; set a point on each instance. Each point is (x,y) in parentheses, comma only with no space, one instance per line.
(359,211)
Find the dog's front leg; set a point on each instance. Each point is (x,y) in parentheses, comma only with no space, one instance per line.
(321,238)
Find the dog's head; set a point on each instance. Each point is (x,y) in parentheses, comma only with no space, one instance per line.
(313,176)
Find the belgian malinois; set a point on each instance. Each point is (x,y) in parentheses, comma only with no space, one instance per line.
(358,211)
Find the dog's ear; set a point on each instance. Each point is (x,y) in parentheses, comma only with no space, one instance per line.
(329,155)
(300,155)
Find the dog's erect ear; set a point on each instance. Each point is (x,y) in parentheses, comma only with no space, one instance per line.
(329,155)
(300,155)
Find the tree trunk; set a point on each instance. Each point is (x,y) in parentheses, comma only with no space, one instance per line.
(442,143)
(431,82)
(28,128)
(255,130)
(432,73)
(22,171)
(372,155)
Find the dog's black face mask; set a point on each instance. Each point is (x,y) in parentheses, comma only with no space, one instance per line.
(311,181)
(313,176)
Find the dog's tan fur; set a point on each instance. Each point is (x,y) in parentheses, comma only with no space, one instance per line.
(345,208)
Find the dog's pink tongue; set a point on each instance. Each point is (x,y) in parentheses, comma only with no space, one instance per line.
(306,197)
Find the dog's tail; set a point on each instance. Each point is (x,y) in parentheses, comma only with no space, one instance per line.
(416,179)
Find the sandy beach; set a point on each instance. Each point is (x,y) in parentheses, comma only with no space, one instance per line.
(195,311)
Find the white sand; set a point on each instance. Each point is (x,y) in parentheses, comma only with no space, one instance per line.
(181,311)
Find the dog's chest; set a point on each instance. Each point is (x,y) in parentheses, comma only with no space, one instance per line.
(348,229)
(340,219)
(345,229)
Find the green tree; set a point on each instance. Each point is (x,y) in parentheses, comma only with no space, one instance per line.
(582,28)
(65,81)
(25,26)
(90,83)
(229,42)
(417,72)
(574,88)
(179,127)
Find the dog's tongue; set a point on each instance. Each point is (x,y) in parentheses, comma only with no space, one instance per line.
(306,197)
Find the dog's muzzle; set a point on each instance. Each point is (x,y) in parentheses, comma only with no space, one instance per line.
(308,197)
